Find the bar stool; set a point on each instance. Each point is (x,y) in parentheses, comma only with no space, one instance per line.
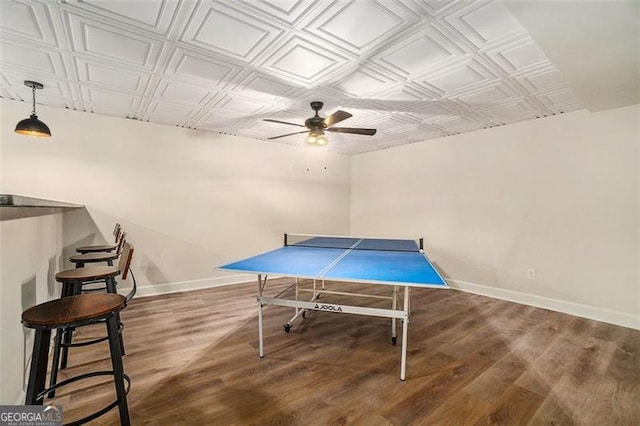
(81,259)
(72,284)
(117,232)
(99,256)
(73,279)
(75,311)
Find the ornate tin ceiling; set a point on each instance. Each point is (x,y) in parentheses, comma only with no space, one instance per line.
(415,70)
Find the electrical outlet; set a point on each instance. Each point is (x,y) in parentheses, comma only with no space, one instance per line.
(531,274)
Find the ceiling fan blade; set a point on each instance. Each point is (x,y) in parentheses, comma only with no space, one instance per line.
(355,130)
(282,122)
(336,117)
(288,134)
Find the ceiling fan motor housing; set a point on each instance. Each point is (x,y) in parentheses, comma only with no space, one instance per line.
(316,124)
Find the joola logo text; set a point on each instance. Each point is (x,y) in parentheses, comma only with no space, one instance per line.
(322,307)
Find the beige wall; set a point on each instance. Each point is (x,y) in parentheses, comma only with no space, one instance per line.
(558,195)
(30,254)
(190,201)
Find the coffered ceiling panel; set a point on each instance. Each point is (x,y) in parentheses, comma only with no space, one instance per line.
(413,70)
(110,77)
(341,24)
(28,21)
(154,16)
(289,12)
(111,43)
(219,28)
(198,68)
(482,24)
(33,60)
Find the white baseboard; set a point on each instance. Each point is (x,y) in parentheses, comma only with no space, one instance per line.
(174,287)
(585,311)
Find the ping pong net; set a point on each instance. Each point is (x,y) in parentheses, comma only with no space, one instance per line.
(353,243)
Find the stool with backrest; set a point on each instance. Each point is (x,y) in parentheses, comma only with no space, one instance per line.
(82,259)
(72,284)
(75,311)
(117,232)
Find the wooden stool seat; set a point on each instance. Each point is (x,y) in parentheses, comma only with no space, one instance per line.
(98,248)
(72,310)
(81,259)
(103,248)
(76,311)
(88,273)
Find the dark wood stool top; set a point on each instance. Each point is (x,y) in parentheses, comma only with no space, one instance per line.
(93,257)
(73,309)
(92,249)
(120,240)
(88,273)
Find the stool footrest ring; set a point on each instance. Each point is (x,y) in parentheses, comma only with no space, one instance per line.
(85,343)
(87,376)
(90,290)
(92,341)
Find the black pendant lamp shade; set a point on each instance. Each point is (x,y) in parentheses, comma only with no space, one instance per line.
(32,126)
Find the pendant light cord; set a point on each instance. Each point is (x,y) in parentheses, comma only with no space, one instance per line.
(33,92)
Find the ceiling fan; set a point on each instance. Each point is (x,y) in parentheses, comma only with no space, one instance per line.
(316,126)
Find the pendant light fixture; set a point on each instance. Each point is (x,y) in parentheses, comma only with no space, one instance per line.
(32,126)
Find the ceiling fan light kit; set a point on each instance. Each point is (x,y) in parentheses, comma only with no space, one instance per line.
(317,137)
(32,126)
(317,125)
(317,140)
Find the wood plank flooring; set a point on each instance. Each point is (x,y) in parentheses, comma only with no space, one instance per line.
(472,360)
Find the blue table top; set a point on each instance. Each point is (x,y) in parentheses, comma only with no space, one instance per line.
(365,265)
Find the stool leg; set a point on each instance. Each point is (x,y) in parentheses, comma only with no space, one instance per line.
(111,288)
(122,352)
(67,336)
(111,285)
(74,288)
(38,369)
(67,290)
(55,365)
(118,370)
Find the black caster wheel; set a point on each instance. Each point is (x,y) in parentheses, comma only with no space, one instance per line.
(287,328)
(394,340)
(304,315)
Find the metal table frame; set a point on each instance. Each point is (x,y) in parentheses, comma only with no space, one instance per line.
(302,305)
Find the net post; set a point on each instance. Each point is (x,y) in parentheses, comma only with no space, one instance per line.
(421,243)
(285,239)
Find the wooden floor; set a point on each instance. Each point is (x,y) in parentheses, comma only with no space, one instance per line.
(472,360)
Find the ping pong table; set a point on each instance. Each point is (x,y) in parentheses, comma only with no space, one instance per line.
(398,263)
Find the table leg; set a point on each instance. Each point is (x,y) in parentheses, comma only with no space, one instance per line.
(405,329)
(394,306)
(260,336)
